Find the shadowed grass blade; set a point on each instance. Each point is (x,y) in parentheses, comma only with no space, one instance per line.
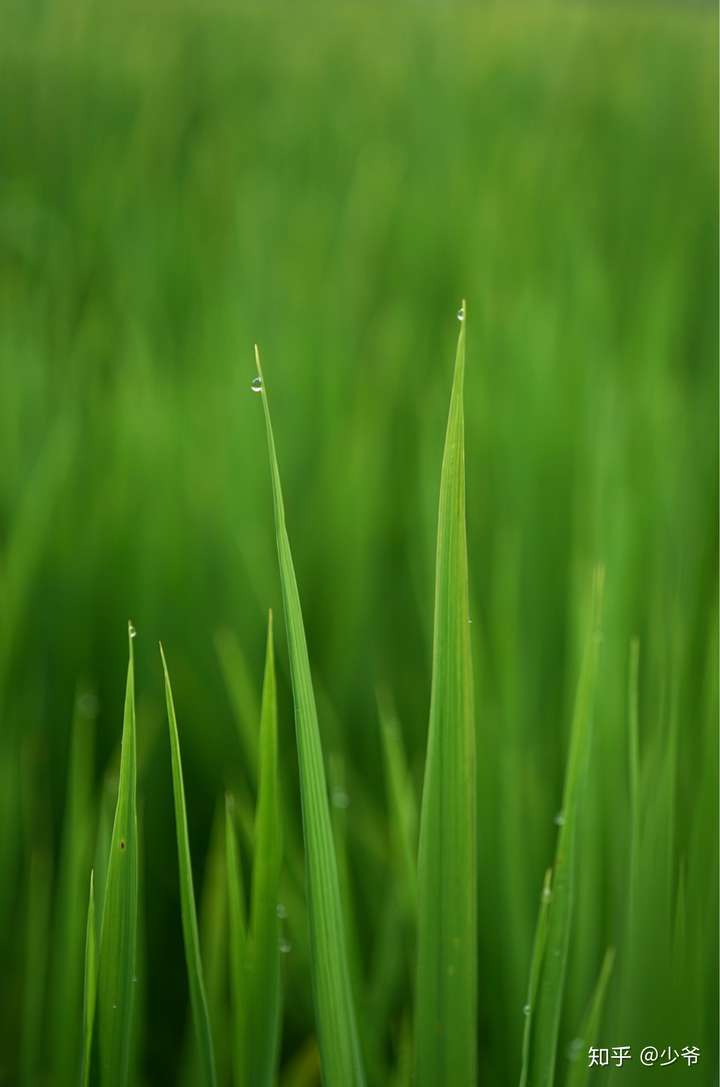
(337,1030)
(198,1000)
(90,986)
(263,1003)
(237,925)
(37,915)
(118,934)
(546,1018)
(579,1073)
(446,993)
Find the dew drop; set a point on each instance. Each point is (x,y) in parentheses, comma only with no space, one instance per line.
(560,819)
(461,313)
(281,911)
(285,946)
(547,894)
(574,1049)
(256,384)
(131,630)
(526,1009)
(340,798)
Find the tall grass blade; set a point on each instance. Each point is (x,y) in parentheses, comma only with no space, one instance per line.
(579,1073)
(37,915)
(90,986)
(237,925)
(196,985)
(337,1030)
(546,1018)
(263,1004)
(535,967)
(118,933)
(446,993)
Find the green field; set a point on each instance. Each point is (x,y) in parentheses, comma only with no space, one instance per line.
(178,184)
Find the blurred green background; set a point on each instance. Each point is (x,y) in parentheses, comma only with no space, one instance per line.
(179,182)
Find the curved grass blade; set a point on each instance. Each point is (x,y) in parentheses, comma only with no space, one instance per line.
(535,967)
(90,986)
(196,985)
(237,926)
(337,1030)
(546,1021)
(446,993)
(263,1002)
(118,932)
(579,1073)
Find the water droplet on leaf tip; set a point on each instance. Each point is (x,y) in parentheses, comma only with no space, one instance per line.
(547,894)
(256,384)
(131,630)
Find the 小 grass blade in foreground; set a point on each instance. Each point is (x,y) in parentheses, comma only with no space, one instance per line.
(446,991)
(263,1003)
(546,1017)
(237,926)
(535,966)
(118,933)
(196,985)
(579,1073)
(90,986)
(336,1025)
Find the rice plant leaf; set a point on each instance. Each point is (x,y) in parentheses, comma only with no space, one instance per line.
(579,1073)
(263,1003)
(535,967)
(118,933)
(337,1030)
(446,990)
(37,915)
(88,1018)
(401,799)
(196,984)
(237,924)
(546,1019)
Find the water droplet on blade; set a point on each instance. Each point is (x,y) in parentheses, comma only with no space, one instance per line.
(461,313)
(526,1009)
(340,798)
(131,630)
(256,384)
(560,819)
(285,946)
(280,910)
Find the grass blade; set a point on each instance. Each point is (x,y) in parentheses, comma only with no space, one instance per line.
(88,1019)
(337,1030)
(546,1020)
(196,985)
(118,933)
(237,925)
(263,1004)
(446,996)
(579,1073)
(535,967)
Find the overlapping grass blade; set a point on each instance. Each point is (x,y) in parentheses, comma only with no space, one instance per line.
(535,966)
(118,933)
(196,984)
(337,1030)
(546,1016)
(446,993)
(263,1002)
(579,1072)
(237,925)
(90,986)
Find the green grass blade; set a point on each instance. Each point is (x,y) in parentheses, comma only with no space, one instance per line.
(196,985)
(118,933)
(37,915)
(401,800)
(237,925)
(90,990)
(263,1004)
(446,996)
(546,1019)
(337,1029)
(535,968)
(579,1073)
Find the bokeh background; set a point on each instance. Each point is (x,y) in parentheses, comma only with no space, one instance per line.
(179,181)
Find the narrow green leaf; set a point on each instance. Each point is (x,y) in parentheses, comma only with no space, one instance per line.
(263,1001)
(37,915)
(90,986)
(634,761)
(238,943)
(579,1073)
(196,985)
(535,967)
(546,1020)
(118,933)
(446,992)
(337,1030)
(401,799)
(243,696)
